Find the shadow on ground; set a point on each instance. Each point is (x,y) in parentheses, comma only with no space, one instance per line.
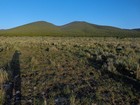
(13,92)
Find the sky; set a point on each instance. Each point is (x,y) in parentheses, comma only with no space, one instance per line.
(118,13)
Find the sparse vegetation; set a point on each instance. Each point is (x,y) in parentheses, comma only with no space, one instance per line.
(2,96)
(4,77)
(72,70)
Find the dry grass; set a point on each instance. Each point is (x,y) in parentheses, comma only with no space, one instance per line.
(3,76)
(82,69)
(2,96)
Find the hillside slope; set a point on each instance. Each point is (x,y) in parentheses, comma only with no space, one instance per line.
(77,28)
(33,29)
(87,29)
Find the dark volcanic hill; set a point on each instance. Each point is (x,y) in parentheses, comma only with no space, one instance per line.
(77,28)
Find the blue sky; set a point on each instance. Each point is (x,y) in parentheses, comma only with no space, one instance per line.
(118,13)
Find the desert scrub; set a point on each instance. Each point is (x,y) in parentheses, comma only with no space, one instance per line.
(90,67)
(3,78)
(72,99)
(2,96)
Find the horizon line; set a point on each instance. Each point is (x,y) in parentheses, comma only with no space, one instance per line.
(69,23)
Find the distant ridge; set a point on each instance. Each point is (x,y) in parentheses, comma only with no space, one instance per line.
(137,29)
(76,28)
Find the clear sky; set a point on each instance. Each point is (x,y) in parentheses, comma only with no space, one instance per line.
(119,13)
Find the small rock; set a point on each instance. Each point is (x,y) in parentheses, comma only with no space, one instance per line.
(61,100)
(6,86)
(17,92)
(30,101)
(119,48)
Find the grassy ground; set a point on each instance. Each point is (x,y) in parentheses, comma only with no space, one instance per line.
(71,70)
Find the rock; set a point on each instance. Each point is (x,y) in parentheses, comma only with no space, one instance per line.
(119,48)
(61,101)
(16,77)
(6,86)
(30,101)
(43,93)
(35,87)
(17,92)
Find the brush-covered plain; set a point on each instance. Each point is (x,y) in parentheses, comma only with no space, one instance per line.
(73,71)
